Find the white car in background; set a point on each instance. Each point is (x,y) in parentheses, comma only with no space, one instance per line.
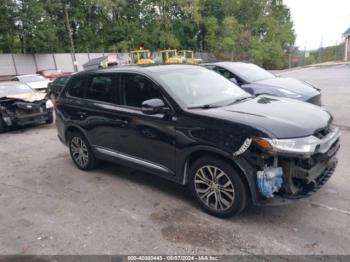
(36,82)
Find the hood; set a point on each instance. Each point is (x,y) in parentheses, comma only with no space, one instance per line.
(29,97)
(38,85)
(278,117)
(290,84)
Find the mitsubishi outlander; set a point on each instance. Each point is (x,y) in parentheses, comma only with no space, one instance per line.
(193,126)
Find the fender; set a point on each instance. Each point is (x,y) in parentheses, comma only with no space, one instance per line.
(74,126)
(248,172)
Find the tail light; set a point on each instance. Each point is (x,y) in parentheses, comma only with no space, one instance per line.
(56,103)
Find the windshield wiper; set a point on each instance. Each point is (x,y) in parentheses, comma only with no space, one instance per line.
(240,99)
(208,106)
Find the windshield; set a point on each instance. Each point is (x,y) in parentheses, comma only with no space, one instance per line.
(188,55)
(196,87)
(144,55)
(172,54)
(30,79)
(7,90)
(249,72)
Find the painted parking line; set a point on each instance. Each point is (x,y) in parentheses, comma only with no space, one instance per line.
(343,211)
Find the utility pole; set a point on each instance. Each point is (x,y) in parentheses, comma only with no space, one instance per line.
(336,51)
(290,56)
(290,60)
(304,54)
(346,48)
(72,50)
(320,51)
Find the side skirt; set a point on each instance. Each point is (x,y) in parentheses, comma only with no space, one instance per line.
(134,162)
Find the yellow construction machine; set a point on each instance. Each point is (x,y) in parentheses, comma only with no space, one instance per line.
(141,57)
(169,56)
(188,56)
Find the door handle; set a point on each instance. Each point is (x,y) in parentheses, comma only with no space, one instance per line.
(82,114)
(122,122)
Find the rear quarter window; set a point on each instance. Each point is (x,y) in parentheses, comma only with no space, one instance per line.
(75,87)
(60,81)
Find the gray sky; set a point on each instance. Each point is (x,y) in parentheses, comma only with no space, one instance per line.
(316,20)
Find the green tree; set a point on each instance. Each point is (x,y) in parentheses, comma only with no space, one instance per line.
(35,27)
(254,30)
(9,41)
(230,34)
(209,33)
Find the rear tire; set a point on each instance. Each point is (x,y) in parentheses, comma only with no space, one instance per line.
(81,153)
(218,187)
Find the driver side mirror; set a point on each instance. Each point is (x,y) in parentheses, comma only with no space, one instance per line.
(153,107)
(234,80)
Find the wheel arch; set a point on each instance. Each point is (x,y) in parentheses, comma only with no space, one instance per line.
(73,128)
(239,164)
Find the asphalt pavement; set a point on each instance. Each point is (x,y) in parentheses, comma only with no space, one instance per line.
(48,206)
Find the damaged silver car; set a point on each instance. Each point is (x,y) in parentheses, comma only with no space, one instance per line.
(20,105)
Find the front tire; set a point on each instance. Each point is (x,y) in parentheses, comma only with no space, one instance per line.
(50,118)
(81,152)
(217,187)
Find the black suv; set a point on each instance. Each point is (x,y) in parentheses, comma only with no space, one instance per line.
(192,126)
(55,87)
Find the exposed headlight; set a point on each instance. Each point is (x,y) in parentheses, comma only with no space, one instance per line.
(288,93)
(304,145)
(49,104)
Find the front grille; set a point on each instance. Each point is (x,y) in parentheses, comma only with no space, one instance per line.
(333,149)
(320,157)
(322,179)
(322,133)
(28,108)
(310,188)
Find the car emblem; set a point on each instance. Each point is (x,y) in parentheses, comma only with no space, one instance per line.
(29,106)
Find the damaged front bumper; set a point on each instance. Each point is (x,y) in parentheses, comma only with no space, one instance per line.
(289,193)
(27,119)
(283,177)
(20,113)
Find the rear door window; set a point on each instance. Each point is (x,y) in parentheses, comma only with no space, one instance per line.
(224,72)
(100,88)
